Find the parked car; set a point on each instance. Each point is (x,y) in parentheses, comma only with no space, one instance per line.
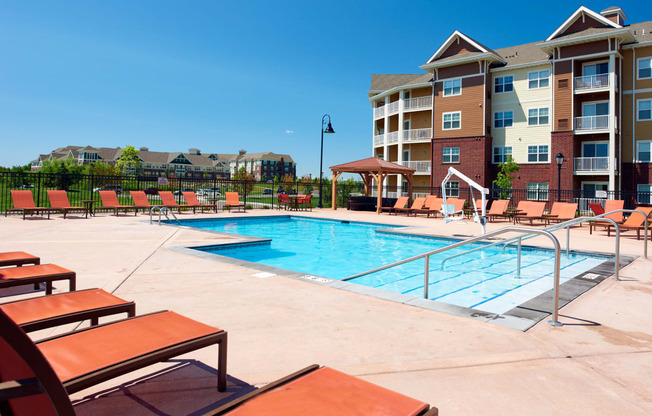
(280,190)
(267,191)
(117,188)
(151,191)
(209,192)
(184,190)
(26,186)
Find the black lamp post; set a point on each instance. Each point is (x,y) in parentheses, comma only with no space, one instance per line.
(328,130)
(560,160)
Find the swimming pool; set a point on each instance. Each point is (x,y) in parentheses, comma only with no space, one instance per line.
(485,280)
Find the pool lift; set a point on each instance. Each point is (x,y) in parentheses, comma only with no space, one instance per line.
(449,210)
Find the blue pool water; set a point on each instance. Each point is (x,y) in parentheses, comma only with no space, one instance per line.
(484,280)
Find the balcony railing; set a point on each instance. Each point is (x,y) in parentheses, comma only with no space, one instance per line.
(592,123)
(379,112)
(591,164)
(590,82)
(421,166)
(392,137)
(417,134)
(392,108)
(379,140)
(418,103)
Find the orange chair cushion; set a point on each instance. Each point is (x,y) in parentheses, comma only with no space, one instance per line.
(26,272)
(16,255)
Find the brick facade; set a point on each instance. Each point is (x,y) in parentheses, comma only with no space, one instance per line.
(475,159)
(562,142)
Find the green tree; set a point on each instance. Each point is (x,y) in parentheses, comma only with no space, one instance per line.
(505,177)
(62,173)
(129,162)
(244,182)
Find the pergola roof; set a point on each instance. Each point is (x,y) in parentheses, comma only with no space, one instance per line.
(372,164)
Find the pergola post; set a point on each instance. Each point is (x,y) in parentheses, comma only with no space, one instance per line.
(379,201)
(334,196)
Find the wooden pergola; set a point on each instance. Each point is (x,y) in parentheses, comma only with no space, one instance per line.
(369,169)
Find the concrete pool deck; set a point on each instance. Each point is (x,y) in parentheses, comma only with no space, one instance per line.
(600,361)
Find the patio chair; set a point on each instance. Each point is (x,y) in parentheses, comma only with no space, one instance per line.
(468,212)
(321,391)
(35,377)
(168,200)
(24,202)
(49,311)
(430,201)
(42,273)
(609,205)
(233,201)
(193,202)
(59,202)
(566,212)
(499,209)
(454,206)
(634,222)
(401,202)
(110,202)
(596,208)
(416,205)
(533,211)
(283,201)
(140,200)
(18,259)
(304,201)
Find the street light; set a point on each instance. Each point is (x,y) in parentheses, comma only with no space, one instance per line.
(328,130)
(560,160)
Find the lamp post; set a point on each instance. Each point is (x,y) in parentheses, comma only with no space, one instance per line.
(328,130)
(560,160)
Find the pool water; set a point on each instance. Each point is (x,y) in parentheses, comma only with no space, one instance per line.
(484,280)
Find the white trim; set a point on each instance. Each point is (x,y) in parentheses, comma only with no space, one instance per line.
(519,66)
(645,58)
(493,84)
(638,45)
(576,15)
(527,116)
(537,153)
(638,91)
(452,128)
(452,87)
(399,88)
(593,55)
(585,39)
(453,62)
(493,153)
(638,103)
(638,143)
(451,154)
(493,123)
(449,42)
(479,74)
(538,79)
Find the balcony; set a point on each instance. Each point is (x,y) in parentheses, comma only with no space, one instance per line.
(415,135)
(592,123)
(379,112)
(392,137)
(591,165)
(418,103)
(421,166)
(591,82)
(392,108)
(379,140)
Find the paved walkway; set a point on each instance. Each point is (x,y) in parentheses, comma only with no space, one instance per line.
(599,362)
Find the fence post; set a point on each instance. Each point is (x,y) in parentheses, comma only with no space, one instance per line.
(38,189)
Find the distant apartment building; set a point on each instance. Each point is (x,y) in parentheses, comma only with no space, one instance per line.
(584,92)
(192,164)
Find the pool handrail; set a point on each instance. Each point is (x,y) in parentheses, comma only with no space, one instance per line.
(555,313)
(162,210)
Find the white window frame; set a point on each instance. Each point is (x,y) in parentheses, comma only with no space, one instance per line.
(539,191)
(452,88)
(539,153)
(538,117)
(503,119)
(638,67)
(452,191)
(450,155)
(639,189)
(538,79)
(503,84)
(638,109)
(502,154)
(452,113)
(638,151)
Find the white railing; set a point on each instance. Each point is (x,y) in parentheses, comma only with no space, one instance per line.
(592,123)
(418,102)
(589,82)
(392,108)
(379,112)
(417,134)
(591,164)
(419,165)
(379,140)
(392,137)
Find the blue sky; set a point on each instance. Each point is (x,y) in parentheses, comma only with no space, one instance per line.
(228,75)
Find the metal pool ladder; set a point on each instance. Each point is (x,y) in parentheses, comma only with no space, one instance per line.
(162,210)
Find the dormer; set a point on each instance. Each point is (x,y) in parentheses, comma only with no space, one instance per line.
(460,49)
(615,14)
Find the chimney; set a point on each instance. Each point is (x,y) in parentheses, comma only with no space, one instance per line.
(242,152)
(615,14)
(144,149)
(194,151)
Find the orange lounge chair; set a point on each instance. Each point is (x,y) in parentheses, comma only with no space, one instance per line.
(24,202)
(498,209)
(435,207)
(168,200)
(634,222)
(45,372)
(430,201)
(416,205)
(18,258)
(140,200)
(401,202)
(59,202)
(233,201)
(534,211)
(110,201)
(566,212)
(596,208)
(555,210)
(48,273)
(324,391)
(193,202)
(49,311)
(609,205)
(458,205)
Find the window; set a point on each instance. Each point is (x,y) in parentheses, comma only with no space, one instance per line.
(503,119)
(537,153)
(501,153)
(644,151)
(644,110)
(645,68)
(452,120)
(537,191)
(504,84)
(538,79)
(452,189)
(643,194)
(451,155)
(452,87)
(596,69)
(595,149)
(537,116)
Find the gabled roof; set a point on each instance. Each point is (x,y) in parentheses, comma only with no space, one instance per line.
(383,82)
(372,164)
(479,52)
(582,12)
(450,41)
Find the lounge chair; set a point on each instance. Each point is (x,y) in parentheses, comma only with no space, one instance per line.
(609,205)
(49,311)
(555,210)
(468,212)
(435,207)
(596,208)
(566,212)
(401,202)
(18,258)
(634,222)
(521,210)
(321,391)
(59,202)
(233,201)
(534,211)
(140,200)
(42,273)
(304,201)
(110,201)
(193,202)
(499,209)
(416,205)
(430,201)
(24,202)
(168,200)
(45,372)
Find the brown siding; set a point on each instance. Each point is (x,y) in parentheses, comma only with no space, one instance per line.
(393,123)
(588,23)
(393,152)
(585,49)
(563,96)
(421,92)
(458,71)
(418,151)
(419,119)
(469,103)
(459,46)
(641,53)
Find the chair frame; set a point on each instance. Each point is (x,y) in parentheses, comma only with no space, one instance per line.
(66,208)
(37,279)
(27,210)
(187,195)
(241,207)
(118,207)
(19,259)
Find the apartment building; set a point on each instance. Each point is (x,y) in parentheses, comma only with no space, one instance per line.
(585,92)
